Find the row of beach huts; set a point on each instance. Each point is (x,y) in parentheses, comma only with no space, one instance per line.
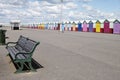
(92,26)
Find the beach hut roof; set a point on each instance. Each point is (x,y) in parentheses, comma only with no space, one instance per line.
(106,21)
(90,22)
(65,22)
(98,21)
(73,22)
(69,22)
(116,21)
(79,22)
(84,22)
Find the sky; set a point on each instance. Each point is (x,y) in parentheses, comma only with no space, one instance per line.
(37,11)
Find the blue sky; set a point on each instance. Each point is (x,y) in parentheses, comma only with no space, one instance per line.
(37,11)
(106,5)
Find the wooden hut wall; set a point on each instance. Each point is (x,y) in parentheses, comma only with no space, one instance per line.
(79,26)
(98,26)
(106,26)
(84,26)
(116,27)
(90,26)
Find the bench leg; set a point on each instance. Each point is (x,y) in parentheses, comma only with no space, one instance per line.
(31,68)
(20,68)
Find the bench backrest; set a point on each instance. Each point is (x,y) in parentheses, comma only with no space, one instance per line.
(26,44)
(21,41)
(30,45)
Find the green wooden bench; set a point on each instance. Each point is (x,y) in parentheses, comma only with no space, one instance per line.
(21,53)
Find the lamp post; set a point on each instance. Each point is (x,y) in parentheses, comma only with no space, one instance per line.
(61,16)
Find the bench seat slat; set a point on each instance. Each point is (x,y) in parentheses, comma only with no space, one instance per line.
(12,51)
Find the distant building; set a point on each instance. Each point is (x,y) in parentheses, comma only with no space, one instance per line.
(15,24)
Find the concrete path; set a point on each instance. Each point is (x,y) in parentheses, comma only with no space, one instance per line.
(67,56)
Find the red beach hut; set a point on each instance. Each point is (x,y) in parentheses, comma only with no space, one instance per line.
(106,26)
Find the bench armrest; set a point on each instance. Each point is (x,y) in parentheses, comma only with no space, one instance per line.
(23,53)
(7,44)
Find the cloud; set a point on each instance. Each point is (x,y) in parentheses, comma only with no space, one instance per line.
(87,0)
(50,10)
(87,7)
(8,6)
(94,13)
(66,1)
(16,3)
(33,13)
(52,1)
(76,16)
(71,5)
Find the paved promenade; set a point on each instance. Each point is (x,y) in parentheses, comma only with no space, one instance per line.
(67,56)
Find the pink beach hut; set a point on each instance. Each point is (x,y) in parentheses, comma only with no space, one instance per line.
(106,26)
(84,26)
(116,27)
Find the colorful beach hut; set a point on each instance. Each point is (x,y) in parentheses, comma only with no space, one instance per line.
(46,26)
(42,26)
(98,25)
(55,28)
(66,26)
(58,27)
(79,26)
(84,26)
(116,27)
(38,26)
(90,25)
(73,26)
(35,26)
(106,26)
(49,25)
(69,26)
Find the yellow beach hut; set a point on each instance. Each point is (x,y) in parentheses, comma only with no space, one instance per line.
(98,25)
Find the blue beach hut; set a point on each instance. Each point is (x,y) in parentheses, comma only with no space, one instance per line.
(79,26)
(90,26)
